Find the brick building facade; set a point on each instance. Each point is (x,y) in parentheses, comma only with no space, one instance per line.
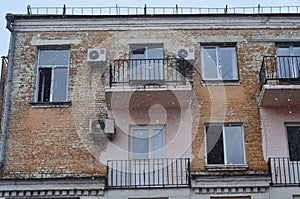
(139,106)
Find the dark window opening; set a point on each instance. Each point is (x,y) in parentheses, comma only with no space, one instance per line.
(293,135)
(215,148)
(44,84)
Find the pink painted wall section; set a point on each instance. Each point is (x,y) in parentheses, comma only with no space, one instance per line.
(273,130)
(178,132)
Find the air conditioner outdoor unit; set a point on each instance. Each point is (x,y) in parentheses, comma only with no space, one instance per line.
(105,126)
(96,54)
(187,53)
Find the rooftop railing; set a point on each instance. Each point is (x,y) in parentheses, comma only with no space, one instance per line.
(121,10)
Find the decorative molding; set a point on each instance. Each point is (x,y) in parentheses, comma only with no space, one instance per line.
(243,184)
(232,190)
(62,187)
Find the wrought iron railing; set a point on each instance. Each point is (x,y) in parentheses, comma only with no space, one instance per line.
(176,10)
(284,172)
(148,173)
(280,68)
(148,72)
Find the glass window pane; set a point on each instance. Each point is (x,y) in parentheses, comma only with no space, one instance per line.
(209,63)
(158,143)
(293,135)
(228,63)
(60,84)
(287,65)
(155,53)
(44,86)
(234,145)
(145,68)
(54,57)
(214,144)
(283,51)
(296,51)
(140,144)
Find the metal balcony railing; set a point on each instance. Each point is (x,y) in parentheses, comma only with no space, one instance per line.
(284,171)
(148,173)
(148,72)
(280,68)
(176,10)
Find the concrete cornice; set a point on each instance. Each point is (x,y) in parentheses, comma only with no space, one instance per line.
(202,22)
(63,187)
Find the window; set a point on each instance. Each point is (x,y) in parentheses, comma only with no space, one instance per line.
(288,59)
(293,137)
(225,144)
(147,142)
(146,62)
(52,75)
(219,62)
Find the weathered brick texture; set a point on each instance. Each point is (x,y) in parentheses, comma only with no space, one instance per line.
(56,141)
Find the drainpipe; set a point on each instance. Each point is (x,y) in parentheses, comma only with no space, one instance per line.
(9,26)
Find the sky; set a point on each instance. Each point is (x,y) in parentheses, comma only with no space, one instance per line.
(19,7)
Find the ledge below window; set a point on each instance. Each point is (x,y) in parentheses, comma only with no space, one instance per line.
(221,83)
(50,104)
(241,167)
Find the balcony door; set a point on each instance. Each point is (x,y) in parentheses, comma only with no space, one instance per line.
(146,153)
(293,137)
(288,59)
(146,63)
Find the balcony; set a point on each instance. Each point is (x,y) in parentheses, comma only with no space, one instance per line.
(284,172)
(149,80)
(148,173)
(280,81)
(149,72)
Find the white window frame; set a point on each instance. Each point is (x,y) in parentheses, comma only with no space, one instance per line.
(150,129)
(53,67)
(218,64)
(224,143)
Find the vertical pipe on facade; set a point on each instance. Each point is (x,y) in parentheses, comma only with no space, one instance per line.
(9,26)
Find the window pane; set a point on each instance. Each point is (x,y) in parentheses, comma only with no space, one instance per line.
(228,63)
(146,68)
(283,51)
(44,86)
(214,144)
(155,53)
(293,135)
(296,51)
(234,145)
(287,65)
(60,82)
(54,57)
(209,63)
(140,144)
(158,143)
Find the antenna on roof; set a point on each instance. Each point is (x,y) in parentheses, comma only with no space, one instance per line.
(226,9)
(29,10)
(64,9)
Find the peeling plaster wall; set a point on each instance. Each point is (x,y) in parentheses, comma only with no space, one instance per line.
(58,140)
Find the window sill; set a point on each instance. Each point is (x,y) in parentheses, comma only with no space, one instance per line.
(240,167)
(50,104)
(220,83)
